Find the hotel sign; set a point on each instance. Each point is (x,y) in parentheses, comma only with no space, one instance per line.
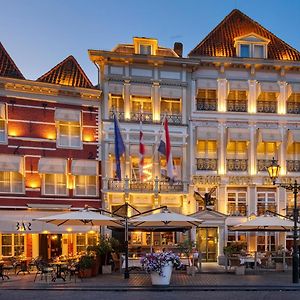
(284,180)
(207,180)
(240,180)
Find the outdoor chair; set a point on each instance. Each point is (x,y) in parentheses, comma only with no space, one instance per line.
(44,270)
(117,261)
(2,275)
(73,271)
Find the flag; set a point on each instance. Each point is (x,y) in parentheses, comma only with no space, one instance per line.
(142,153)
(165,149)
(119,147)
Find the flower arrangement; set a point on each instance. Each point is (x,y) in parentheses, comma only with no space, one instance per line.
(154,262)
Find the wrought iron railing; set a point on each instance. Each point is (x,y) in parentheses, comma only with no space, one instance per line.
(237,210)
(115,185)
(141,186)
(207,105)
(240,165)
(166,186)
(206,164)
(119,114)
(263,208)
(263,164)
(141,116)
(266,107)
(293,107)
(172,119)
(237,105)
(293,165)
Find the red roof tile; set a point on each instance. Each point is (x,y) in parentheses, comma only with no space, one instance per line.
(220,41)
(7,66)
(68,72)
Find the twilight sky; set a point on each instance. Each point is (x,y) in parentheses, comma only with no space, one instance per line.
(38,34)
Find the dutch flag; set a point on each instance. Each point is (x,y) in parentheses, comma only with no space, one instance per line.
(165,149)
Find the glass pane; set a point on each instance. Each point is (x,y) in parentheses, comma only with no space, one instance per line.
(64,129)
(75,141)
(258,51)
(145,49)
(245,51)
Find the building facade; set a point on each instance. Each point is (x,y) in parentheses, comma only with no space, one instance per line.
(49,157)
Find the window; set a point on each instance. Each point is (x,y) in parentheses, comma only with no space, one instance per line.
(11,182)
(245,51)
(170,106)
(54,184)
(2,130)
(266,200)
(293,151)
(145,49)
(251,50)
(266,150)
(12,244)
(207,100)
(69,134)
(85,240)
(236,203)
(116,103)
(147,170)
(236,237)
(207,149)
(176,170)
(265,241)
(141,104)
(237,150)
(86,185)
(258,51)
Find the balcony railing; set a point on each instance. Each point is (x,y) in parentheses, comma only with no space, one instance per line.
(240,165)
(237,105)
(119,114)
(172,119)
(263,164)
(115,185)
(237,210)
(144,116)
(207,105)
(207,164)
(263,208)
(293,165)
(293,107)
(266,107)
(176,186)
(139,186)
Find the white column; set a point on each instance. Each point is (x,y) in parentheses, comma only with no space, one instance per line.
(252,150)
(127,156)
(252,96)
(193,96)
(35,245)
(251,199)
(282,98)
(222,199)
(105,102)
(155,94)
(281,200)
(184,106)
(222,94)
(282,150)
(191,144)
(222,149)
(126,97)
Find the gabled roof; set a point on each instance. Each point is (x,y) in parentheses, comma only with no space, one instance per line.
(7,66)
(220,41)
(68,72)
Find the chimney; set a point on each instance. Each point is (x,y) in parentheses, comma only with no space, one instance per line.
(178,48)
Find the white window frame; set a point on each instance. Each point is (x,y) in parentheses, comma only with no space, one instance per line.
(119,99)
(86,237)
(13,243)
(55,185)
(267,199)
(170,102)
(69,124)
(207,154)
(237,200)
(11,184)
(86,185)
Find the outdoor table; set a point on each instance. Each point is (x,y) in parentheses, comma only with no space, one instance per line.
(249,261)
(23,266)
(132,263)
(58,272)
(2,275)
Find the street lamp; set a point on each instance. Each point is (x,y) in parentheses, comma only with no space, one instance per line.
(273,171)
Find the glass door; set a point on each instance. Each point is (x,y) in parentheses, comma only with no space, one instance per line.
(208,243)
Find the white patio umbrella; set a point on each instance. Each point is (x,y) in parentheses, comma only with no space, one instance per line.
(81,217)
(165,219)
(264,223)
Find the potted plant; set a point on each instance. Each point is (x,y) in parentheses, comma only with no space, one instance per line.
(85,266)
(186,247)
(105,248)
(160,266)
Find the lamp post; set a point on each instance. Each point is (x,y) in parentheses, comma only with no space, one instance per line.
(273,171)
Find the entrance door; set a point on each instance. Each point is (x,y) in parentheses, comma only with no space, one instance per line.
(208,243)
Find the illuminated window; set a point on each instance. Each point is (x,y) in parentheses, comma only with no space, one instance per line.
(176,165)
(55,184)
(265,241)
(11,182)
(266,200)
(170,106)
(116,103)
(86,185)
(236,237)
(236,203)
(207,149)
(266,150)
(136,173)
(141,104)
(207,100)
(69,135)
(237,150)
(145,46)
(146,49)
(293,151)
(12,244)
(85,240)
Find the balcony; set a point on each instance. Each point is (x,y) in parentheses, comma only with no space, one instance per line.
(207,105)
(139,186)
(177,186)
(263,208)
(115,185)
(263,164)
(144,116)
(239,210)
(237,105)
(206,164)
(293,165)
(269,107)
(239,165)
(172,118)
(293,107)
(119,114)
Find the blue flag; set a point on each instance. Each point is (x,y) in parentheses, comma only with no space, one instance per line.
(119,148)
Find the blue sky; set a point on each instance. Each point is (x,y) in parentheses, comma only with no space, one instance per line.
(38,34)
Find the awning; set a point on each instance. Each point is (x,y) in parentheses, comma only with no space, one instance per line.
(268,135)
(207,84)
(238,134)
(86,167)
(2,111)
(236,85)
(21,221)
(207,133)
(52,166)
(269,87)
(293,136)
(11,163)
(67,115)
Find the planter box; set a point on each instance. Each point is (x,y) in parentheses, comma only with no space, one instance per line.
(85,273)
(106,269)
(240,270)
(165,278)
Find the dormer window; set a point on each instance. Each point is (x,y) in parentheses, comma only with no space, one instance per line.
(251,45)
(145,49)
(145,46)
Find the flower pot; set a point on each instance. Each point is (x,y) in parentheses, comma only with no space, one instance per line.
(163,279)
(85,273)
(106,269)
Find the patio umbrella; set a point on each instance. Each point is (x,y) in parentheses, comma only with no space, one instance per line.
(81,217)
(264,223)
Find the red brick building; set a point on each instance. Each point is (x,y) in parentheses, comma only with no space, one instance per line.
(48,156)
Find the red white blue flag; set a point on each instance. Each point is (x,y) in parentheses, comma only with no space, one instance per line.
(142,153)
(165,149)
(119,147)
